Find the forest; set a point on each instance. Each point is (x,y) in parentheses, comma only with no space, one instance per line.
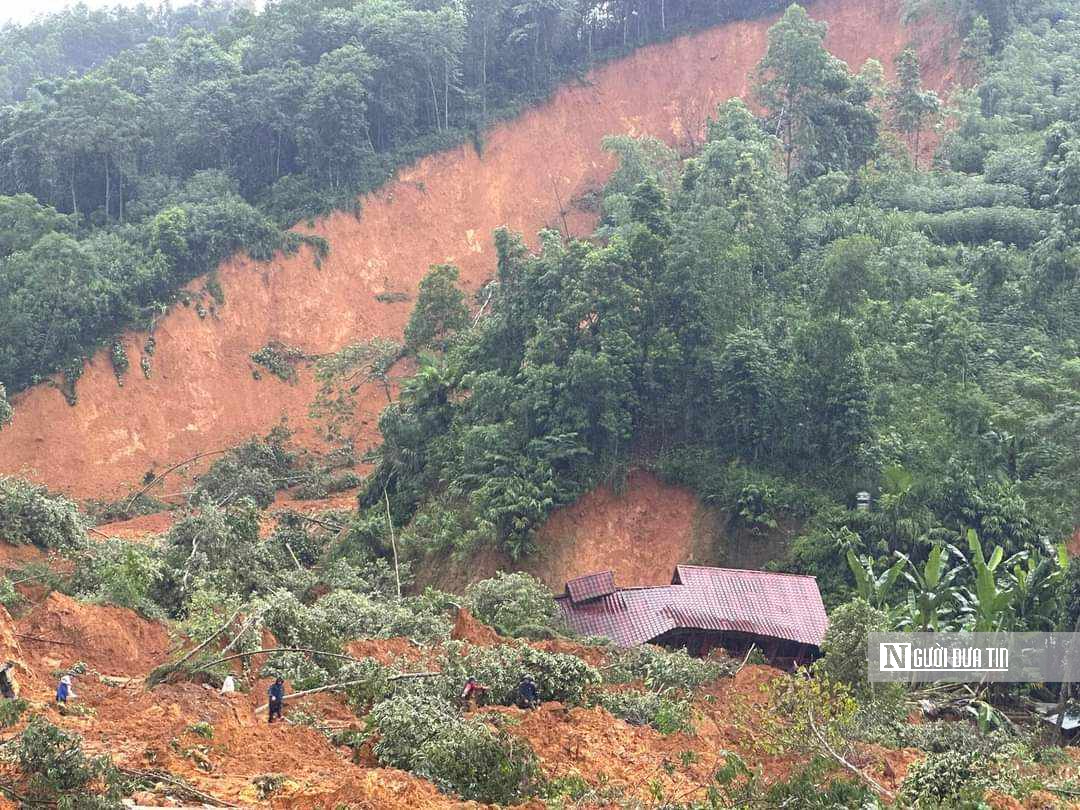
(140,147)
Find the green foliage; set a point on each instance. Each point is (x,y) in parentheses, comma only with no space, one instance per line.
(428,736)
(11,711)
(558,676)
(440,309)
(255,471)
(7,413)
(949,777)
(667,715)
(279,359)
(343,374)
(509,602)
(202,729)
(118,572)
(9,597)
(661,669)
(845,644)
(138,144)
(59,771)
(31,515)
(819,110)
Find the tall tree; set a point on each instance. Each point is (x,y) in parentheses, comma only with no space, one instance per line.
(912,106)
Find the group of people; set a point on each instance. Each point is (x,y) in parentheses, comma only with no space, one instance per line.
(528,695)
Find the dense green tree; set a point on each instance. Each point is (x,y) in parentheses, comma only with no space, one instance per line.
(816,108)
(440,309)
(912,106)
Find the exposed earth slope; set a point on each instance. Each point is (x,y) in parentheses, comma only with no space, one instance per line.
(202,395)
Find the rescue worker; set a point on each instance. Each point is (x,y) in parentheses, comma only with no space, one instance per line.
(528,694)
(277,699)
(472,692)
(64,691)
(9,687)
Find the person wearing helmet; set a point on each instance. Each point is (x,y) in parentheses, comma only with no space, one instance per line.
(64,692)
(528,694)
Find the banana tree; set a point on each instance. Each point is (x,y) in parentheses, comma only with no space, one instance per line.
(871,586)
(933,592)
(1036,581)
(987,606)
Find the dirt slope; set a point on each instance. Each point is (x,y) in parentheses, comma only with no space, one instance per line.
(202,394)
(640,532)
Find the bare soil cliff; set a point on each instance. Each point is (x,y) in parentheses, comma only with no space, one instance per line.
(202,395)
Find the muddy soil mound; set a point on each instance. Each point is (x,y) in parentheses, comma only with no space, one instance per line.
(201,394)
(641,532)
(111,640)
(469,628)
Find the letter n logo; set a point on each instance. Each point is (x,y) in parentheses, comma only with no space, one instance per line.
(894,656)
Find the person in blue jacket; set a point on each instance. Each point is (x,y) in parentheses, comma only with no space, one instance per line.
(64,690)
(277,699)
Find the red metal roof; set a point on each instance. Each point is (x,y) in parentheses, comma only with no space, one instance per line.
(783,606)
(591,586)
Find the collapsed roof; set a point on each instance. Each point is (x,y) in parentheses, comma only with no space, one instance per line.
(759,603)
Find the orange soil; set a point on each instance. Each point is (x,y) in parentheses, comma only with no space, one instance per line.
(141,527)
(111,640)
(468,628)
(640,532)
(202,395)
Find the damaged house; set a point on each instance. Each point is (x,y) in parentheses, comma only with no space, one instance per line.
(704,609)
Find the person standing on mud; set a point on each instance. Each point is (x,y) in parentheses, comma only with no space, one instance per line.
(277,699)
(64,691)
(9,687)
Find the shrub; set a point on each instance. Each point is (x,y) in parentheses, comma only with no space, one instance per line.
(661,669)
(948,778)
(119,573)
(558,676)
(279,359)
(30,514)
(297,669)
(9,597)
(844,646)
(480,764)
(426,735)
(509,602)
(6,411)
(666,715)
(349,615)
(59,771)
(812,788)
(254,470)
(11,711)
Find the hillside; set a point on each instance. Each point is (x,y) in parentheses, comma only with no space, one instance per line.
(201,395)
(389,518)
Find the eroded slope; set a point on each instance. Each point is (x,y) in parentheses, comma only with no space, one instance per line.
(201,394)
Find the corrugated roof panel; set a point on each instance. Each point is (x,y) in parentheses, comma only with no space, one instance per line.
(783,606)
(591,586)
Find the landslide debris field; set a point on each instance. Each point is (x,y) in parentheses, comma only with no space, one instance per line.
(181,742)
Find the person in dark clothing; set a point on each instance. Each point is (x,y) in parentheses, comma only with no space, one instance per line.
(277,699)
(528,694)
(9,689)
